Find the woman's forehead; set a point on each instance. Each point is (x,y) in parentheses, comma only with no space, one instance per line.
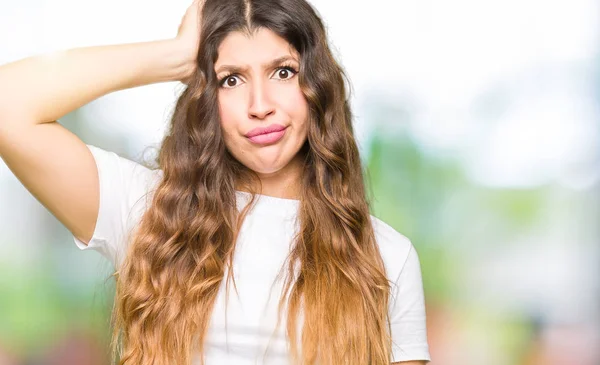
(257,49)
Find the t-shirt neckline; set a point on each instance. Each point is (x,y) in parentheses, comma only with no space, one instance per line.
(270,205)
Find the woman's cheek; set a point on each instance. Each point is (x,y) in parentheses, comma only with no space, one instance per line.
(227,114)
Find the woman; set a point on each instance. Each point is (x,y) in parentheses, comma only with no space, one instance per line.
(259,185)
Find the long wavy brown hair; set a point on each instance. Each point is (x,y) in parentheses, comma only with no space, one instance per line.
(184,244)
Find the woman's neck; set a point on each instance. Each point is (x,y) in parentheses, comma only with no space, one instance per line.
(284,183)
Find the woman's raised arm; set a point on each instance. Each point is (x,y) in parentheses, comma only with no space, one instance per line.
(43,88)
(50,161)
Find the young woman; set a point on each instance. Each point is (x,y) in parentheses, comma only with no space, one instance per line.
(259,185)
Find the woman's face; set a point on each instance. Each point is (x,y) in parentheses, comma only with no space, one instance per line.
(263,112)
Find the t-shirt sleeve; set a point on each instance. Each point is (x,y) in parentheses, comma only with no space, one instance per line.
(124,187)
(407,317)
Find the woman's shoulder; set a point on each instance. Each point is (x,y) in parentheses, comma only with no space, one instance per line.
(393,246)
(126,190)
(135,175)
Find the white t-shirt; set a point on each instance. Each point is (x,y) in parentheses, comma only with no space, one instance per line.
(126,189)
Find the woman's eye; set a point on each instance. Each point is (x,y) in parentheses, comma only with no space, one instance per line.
(229,81)
(286,73)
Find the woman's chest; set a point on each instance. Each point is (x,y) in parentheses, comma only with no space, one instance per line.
(244,319)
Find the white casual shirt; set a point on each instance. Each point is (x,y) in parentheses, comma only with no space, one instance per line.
(263,244)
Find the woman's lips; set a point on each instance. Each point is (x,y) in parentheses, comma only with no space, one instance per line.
(267,138)
(267,135)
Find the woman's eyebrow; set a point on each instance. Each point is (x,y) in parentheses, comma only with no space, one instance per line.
(272,64)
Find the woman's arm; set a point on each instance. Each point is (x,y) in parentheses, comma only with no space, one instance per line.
(43,88)
(50,161)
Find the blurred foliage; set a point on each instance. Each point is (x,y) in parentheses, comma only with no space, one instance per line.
(430,200)
(41,310)
(408,190)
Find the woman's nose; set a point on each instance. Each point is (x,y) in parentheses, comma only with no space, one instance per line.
(261,104)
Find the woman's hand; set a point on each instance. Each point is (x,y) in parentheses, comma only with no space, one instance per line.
(188,35)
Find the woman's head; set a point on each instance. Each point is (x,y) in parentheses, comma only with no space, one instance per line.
(259,92)
(267,66)
(283,76)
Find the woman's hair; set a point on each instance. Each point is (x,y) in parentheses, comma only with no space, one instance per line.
(335,286)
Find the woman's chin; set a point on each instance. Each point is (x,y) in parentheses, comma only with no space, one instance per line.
(270,162)
(265,163)
(266,169)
